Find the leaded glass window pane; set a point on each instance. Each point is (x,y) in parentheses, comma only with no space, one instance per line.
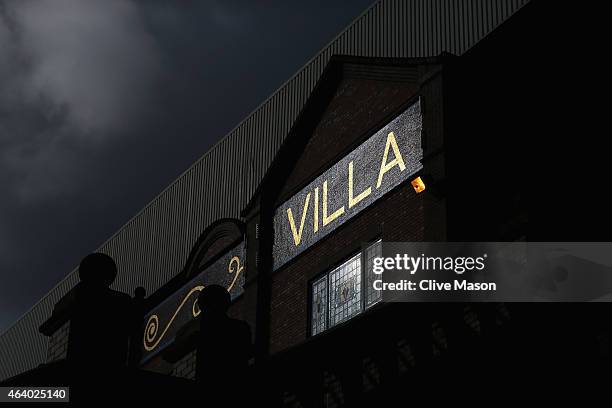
(345,291)
(372,296)
(319,305)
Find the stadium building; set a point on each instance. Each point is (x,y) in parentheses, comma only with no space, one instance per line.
(405,127)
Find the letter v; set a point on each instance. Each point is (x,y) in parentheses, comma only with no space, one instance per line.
(297,237)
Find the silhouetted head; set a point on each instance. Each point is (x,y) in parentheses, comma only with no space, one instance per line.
(98,269)
(140,292)
(214,300)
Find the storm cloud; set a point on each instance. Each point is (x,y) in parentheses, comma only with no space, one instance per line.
(104,102)
(77,72)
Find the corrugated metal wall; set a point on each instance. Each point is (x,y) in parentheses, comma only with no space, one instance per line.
(154,245)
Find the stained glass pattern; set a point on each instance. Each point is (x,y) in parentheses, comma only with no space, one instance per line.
(345,291)
(319,305)
(338,295)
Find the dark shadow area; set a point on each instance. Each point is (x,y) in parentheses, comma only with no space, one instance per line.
(100,327)
(223,351)
(100,319)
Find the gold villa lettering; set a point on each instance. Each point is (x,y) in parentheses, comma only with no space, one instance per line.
(297,236)
(383,161)
(353,200)
(398,161)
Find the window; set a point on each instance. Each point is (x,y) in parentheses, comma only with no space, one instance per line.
(371,252)
(345,291)
(319,305)
(339,295)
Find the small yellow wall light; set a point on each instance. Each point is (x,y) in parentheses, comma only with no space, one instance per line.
(418,185)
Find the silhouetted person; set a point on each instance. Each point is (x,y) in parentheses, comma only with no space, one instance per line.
(100,319)
(224,347)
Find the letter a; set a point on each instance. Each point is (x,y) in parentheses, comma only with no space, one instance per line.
(297,237)
(399,161)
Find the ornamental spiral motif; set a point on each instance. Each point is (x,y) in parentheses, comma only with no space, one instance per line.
(152,337)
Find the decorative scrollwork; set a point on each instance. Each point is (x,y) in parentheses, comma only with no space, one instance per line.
(230,270)
(150,338)
(195,308)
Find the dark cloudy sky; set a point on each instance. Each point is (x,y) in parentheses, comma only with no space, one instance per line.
(103,103)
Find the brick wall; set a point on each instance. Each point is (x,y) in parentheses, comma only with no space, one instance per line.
(58,343)
(186,367)
(401,215)
(358,105)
